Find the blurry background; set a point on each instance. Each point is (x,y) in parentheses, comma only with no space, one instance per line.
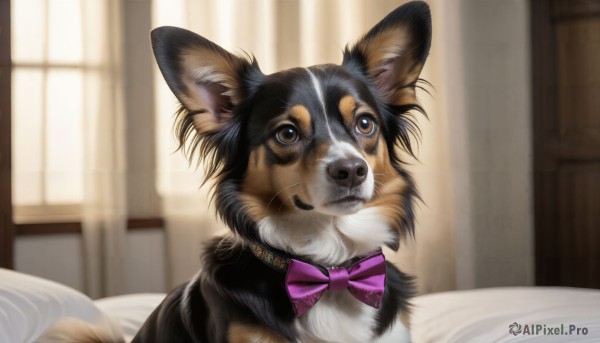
(95,197)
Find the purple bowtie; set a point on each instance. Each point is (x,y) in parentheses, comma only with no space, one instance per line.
(365,280)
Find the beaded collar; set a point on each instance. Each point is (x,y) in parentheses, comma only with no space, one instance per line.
(279,260)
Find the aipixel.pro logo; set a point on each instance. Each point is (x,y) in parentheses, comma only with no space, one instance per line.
(515,328)
(547,330)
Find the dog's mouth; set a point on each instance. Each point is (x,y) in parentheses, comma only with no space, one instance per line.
(302,205)
(347,201)
(350,200)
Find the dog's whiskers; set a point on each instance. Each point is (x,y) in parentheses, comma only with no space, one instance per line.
(285,188)
(281,206)
(380,184)
(378,189)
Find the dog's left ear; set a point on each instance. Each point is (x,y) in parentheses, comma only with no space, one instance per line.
(204,77)
(394,51)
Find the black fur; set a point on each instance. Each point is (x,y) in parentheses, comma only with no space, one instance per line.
(239,288)
(234,286)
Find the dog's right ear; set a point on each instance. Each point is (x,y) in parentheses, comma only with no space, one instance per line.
(393,52)
(203,76)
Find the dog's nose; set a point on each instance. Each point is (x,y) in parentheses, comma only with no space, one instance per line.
(349,172)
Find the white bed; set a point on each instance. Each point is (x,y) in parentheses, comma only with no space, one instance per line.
(28,305)
(485,315)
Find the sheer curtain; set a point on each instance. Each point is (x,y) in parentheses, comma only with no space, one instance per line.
(283,34)
(68,145)
(474,229)
(476,216)
(104,207)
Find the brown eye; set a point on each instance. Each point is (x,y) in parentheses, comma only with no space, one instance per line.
(287,134)
(365,125)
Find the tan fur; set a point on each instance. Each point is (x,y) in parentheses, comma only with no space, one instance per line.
(382,167)
(257,188)
(302,116)
(384,46)
(392,46)
(283,151)
(242,333)
(214,70)
(388,187)
(210,67)
(74,330)
(346,106)
(206,122)
(369,142)
(269,190)
(405,319)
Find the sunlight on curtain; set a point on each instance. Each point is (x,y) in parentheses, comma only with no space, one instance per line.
(64,148)
(104,213)
(47,83)
(27,137)
(29,22)
(68,126)
(189,219)
(283,34)
(184,206)
(465,202)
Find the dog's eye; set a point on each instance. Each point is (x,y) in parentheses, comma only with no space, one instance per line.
(287,134)
(365,125)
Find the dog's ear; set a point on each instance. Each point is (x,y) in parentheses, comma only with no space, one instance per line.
(394,51)
(203,76)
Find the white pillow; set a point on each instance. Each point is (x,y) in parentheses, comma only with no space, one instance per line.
(131,311)
(29,305)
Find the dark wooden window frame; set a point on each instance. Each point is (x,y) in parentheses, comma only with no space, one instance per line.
(133,224)
(76,228)
(7,232)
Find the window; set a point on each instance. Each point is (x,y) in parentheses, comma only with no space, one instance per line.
(49,76)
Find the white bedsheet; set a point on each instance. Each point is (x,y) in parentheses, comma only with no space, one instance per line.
(28,305)
(482,315)
(485,315)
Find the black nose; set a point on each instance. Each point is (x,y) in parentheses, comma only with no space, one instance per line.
(349,172)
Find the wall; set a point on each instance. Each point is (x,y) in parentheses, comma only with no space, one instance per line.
(59,258)
(475,174)
(495,239)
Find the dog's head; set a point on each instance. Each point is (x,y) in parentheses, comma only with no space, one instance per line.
(305,142)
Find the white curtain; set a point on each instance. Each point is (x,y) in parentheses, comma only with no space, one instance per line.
(475,226)
(104,208)
(68,145)
(283,34)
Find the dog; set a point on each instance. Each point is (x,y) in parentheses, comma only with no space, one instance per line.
(308,175)
(307,172)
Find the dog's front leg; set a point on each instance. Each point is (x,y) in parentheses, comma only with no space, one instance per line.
(243,333)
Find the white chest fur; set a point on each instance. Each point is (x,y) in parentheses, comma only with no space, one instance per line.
(327,240)
(337,317)
(340,318)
